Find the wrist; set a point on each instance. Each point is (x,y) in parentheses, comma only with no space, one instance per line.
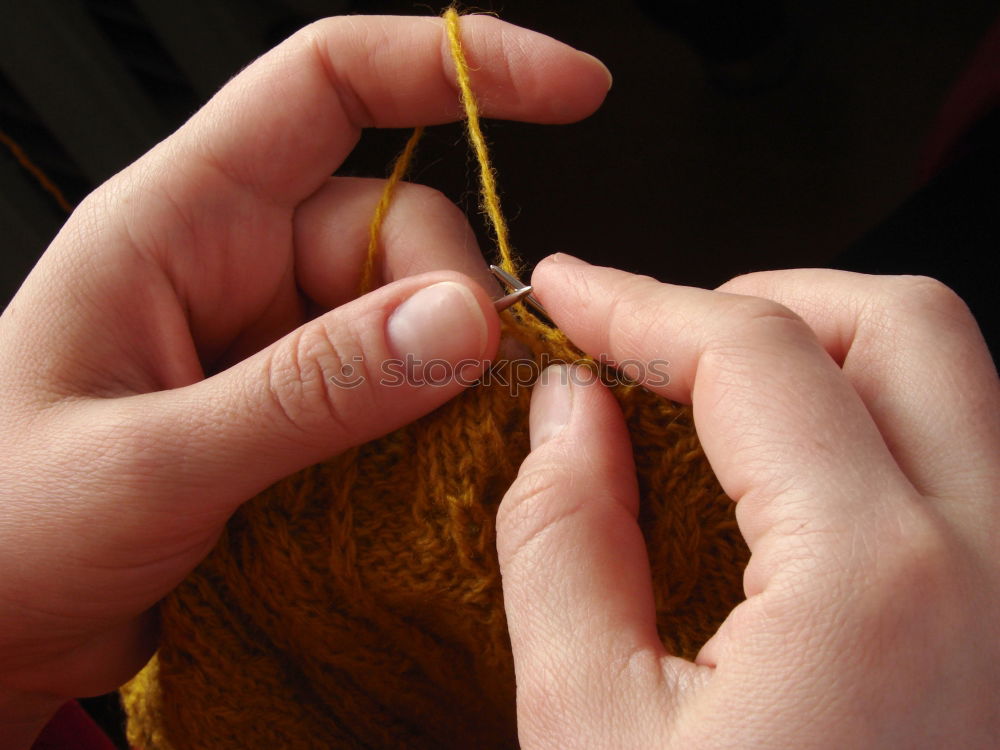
(23,716)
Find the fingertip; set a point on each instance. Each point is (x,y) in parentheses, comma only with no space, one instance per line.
(552,266)
(555,83)
(563,259)
(582,83)
(424,231)
(571,405)
(555,282)
(579,85)
(599,67)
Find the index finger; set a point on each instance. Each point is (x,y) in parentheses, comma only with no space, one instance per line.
(289,120)
(787,435)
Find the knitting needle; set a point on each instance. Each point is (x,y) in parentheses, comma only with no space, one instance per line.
(511,299)
(521,291)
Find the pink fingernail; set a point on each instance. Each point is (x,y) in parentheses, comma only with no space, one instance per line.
(442,321)
(567,259)
(551,404)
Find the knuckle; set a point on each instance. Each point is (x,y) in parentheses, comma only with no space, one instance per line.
(917,564)
(748,283)
(922,296)
(507,52)
(747,311)
(918,555)
(532,507)
(365,40)
(638,666)
(758,321)
(906,312)
(309,378)
(432,201)
(422,200)
(754,327)
(635,315)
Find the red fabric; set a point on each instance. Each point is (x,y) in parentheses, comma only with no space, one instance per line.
(72,729)
(976,94)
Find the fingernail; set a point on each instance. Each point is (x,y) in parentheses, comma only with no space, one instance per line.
(568,260)
(551,404)
(440,322)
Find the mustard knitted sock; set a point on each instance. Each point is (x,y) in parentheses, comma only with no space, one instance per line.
(358,602)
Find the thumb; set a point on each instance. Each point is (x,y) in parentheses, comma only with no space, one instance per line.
(577,588)
(347,377)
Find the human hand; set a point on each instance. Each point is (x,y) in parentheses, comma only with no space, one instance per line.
(228,252)
(855,421)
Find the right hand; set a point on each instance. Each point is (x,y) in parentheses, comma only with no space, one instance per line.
(855,421)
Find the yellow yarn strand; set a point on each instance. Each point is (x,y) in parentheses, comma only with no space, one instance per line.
(35,171)
(487,178)
(399,170)
(489,197)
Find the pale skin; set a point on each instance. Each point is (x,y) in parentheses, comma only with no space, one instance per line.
(171,355)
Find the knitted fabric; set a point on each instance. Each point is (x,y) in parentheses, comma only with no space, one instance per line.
(358,602)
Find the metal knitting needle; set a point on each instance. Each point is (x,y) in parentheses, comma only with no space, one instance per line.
(511,299)
(520,291)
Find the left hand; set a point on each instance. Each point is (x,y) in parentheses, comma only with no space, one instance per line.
(228,252)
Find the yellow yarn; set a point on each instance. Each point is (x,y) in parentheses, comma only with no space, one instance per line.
(487,179)
(358,602)
(374,230)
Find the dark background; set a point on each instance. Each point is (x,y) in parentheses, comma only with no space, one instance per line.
(738,135)
(678,175)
